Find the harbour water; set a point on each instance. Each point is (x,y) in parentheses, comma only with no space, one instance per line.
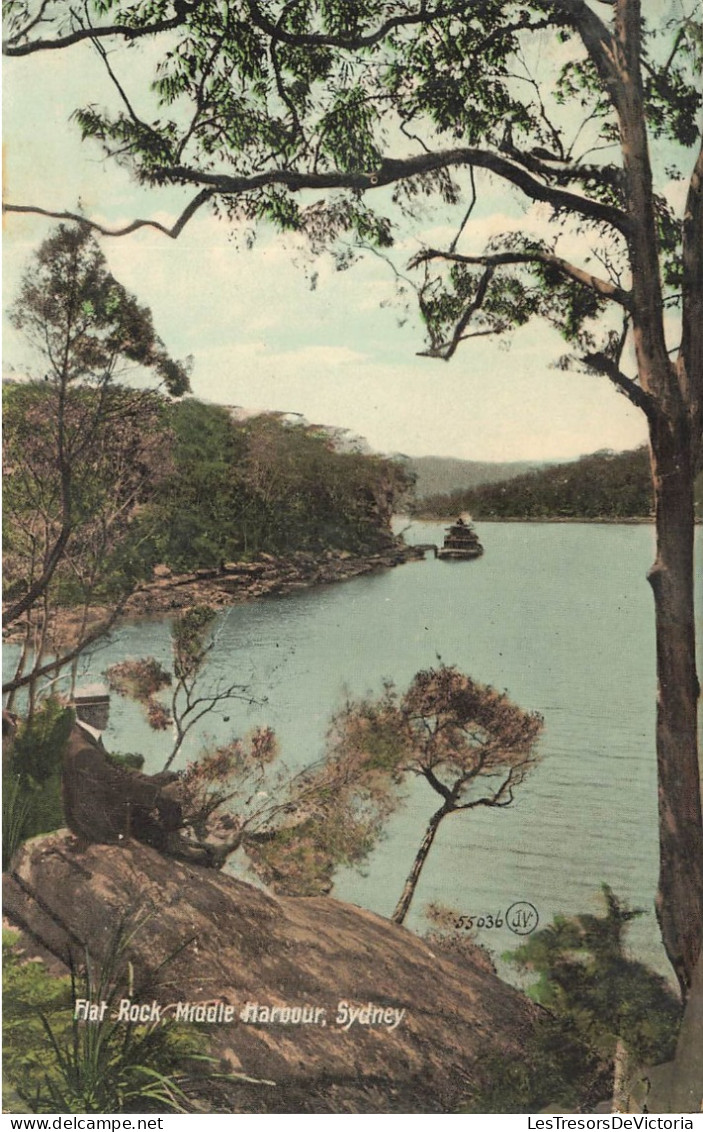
(560,616)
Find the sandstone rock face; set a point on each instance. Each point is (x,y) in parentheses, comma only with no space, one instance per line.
(205,936)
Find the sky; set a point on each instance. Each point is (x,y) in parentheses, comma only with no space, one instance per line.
(269,328)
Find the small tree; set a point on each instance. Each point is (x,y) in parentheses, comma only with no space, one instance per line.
(192,640)
(294,828)
(80,451)
(608,1013)
(470,744)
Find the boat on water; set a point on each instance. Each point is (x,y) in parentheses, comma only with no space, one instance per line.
(461,543)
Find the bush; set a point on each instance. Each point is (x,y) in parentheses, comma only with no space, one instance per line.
(32,777)
(597,1000)
(56,1063)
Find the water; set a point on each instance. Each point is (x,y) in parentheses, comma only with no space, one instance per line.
(560,616)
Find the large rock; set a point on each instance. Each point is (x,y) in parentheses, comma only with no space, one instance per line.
(234,943)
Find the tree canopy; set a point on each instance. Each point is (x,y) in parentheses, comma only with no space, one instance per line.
(253,103)
(81,453)
(471,744)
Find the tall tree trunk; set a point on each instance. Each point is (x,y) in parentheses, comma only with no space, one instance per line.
(672,428)
(403,905)
(680,893)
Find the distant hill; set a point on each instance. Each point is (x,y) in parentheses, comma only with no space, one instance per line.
(605,485)
(438,475)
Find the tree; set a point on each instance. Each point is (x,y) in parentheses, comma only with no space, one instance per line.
(266,484)
(470,744)
(81,453)
(193,639)
(616,1011)
(606,1017)
(268,99)
(295,828)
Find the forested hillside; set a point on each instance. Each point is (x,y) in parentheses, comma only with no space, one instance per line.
(240,488)
(439,475)
(206,488)
(604,485)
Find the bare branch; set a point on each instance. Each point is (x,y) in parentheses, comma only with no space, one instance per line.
(467,214)
(117,84)
(173,232)
(56,665)
(441,351)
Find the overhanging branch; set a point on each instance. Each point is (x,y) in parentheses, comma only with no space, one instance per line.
(11,47)
(173,232)
(448,349)
(54,666)
(502,259)
(602,363)
(350,42)
(392,170)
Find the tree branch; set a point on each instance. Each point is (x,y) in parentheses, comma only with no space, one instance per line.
(448,349)
(392,170)
(173,232)
(62,661)
(500,259)
(389,172)
(596,38)
(436,785)
(604,364)
(12,48)
(354,42)
(467,214)
(38,587)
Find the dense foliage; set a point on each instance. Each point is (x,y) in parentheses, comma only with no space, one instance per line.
(266,484)
(605,485)
(606,1018)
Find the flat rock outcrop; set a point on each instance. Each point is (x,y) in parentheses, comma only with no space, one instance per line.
(207,937)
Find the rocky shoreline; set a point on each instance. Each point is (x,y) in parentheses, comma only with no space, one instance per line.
(232,584)
(265,576)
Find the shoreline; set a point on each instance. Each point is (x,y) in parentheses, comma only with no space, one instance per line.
(266,576)
(236,583)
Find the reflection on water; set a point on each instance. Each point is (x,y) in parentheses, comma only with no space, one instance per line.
(559,615)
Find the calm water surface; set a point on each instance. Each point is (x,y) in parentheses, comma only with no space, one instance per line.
(559,615)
